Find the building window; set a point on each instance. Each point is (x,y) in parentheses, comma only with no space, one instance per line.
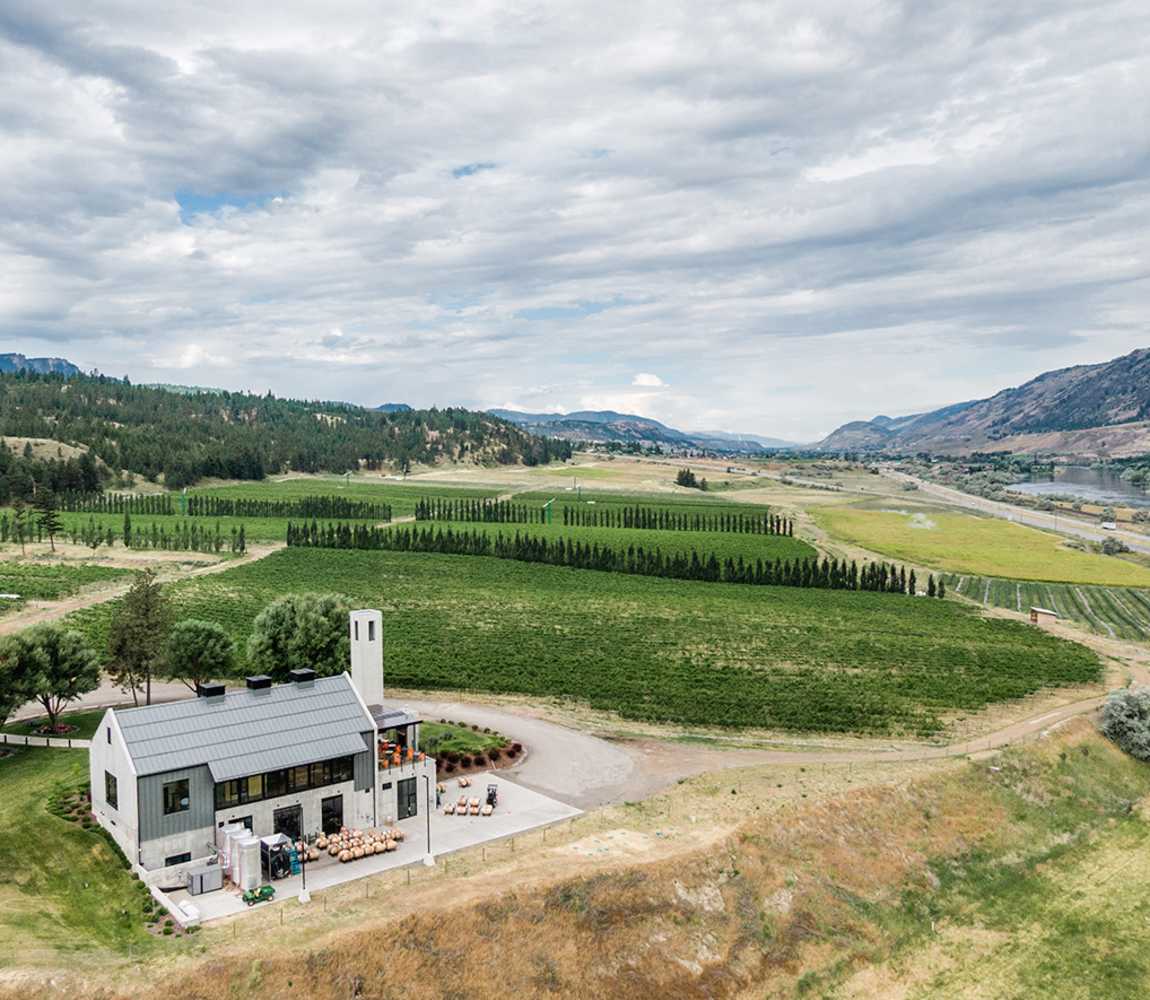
(275,784)
(110,794)
(355,629)
(178,859)
(108,730)
(406,799)
(385,787)
(227,794)
(371,630)
(176,797)
(320,774)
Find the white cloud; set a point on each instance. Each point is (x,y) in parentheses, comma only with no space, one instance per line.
(797,213)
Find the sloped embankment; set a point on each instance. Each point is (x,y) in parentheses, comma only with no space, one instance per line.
(800,901)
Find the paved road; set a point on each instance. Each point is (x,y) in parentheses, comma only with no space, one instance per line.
(1023,515)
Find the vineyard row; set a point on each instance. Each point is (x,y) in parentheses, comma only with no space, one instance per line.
(828,574)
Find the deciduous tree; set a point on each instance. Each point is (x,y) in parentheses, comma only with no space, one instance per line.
(305,631)
(67,667)
(198,651)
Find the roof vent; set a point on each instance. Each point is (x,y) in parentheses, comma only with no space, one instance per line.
(211,690)
(259,682)
(302,676)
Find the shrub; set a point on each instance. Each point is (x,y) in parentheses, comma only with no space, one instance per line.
(517,747)
(167,929)
(465,760)
(448,767)
(494,754)
(1126,720)
(452,756)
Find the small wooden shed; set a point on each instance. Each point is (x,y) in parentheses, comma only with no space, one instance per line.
(1043,616)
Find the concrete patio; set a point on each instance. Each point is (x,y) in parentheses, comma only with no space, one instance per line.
(520,809)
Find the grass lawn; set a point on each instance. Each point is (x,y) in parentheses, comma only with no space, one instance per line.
(437,737)
(657,649)
(65,893)
(964,543)
(85,723)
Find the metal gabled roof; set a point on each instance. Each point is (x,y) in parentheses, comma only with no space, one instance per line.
(288,724)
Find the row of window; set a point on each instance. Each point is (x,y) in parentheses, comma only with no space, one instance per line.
(253,788)
(287,781)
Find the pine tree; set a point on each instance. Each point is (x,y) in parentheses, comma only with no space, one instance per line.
(47,516)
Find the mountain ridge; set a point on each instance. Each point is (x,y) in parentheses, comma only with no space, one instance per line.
(1093,410)
(611,426)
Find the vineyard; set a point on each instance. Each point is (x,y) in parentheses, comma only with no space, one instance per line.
(207,505)
(635,516)
(1119,612)
(580,554)
(657,649)
(49,581)
(402,499)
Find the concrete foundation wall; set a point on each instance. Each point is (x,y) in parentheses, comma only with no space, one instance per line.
(200,843)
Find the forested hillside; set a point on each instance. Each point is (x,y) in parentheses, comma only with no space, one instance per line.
(183,437)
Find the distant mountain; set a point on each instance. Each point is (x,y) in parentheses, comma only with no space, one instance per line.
(604,426)
(393,408)
(10,363)
(1087,410)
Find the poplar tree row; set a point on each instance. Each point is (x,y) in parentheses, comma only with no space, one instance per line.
(33,525)
(209,506)
(474,509)
(636,516)
(830,574)
(661,519)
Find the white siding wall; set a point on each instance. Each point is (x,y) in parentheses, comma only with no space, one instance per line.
(123,821)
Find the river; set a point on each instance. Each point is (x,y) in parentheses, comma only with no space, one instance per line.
(1089,484)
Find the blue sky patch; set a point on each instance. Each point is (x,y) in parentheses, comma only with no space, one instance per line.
(468,169)
(193,203)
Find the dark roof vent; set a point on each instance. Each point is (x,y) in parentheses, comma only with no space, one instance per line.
(259,682)
(212,690)
(302,676)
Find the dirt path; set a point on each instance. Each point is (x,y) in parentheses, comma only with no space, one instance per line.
(39,612)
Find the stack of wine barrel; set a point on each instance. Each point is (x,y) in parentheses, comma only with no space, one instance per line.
(351,845)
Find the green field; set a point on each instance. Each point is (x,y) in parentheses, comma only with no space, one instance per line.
(1119,612)
(658,649)
(65,894)
(965,543)
(86,724)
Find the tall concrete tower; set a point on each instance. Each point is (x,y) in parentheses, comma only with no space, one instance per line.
(367,654)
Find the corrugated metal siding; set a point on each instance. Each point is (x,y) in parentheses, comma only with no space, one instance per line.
(201,798)
(365,767)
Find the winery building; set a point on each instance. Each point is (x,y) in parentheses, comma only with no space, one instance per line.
(298,758)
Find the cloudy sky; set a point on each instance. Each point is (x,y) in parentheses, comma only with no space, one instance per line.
(770,217)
